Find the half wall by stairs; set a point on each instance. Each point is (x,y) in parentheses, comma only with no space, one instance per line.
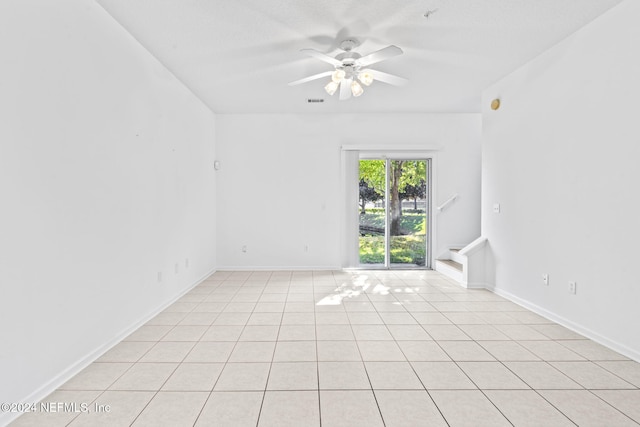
(465,265)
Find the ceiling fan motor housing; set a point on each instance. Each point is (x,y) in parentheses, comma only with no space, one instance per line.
(348,44)
(349,65)
(351,71)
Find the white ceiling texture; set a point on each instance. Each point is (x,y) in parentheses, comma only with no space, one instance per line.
(238,56)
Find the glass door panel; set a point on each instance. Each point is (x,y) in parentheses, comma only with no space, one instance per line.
(407,183)
(372,208)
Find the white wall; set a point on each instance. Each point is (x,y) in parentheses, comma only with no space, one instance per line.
(279,186)
(561,157)
(105,180)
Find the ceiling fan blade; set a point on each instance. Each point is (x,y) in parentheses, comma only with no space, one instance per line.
(379,55)
(388,78)
(308,79)
(345,89)
(322,57)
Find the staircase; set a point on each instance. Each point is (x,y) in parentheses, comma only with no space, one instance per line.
(464,265)
(452,265)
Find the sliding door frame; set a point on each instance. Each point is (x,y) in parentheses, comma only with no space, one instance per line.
(388,157)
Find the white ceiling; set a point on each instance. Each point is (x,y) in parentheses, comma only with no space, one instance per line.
(238,56)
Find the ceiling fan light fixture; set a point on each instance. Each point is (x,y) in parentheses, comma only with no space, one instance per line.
(356,89)
(350,70)
(331,87)
(365,77)
(338,75)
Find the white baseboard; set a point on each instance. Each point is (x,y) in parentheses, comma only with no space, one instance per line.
(613,345)
(280,268)
(478,285)
(53,384)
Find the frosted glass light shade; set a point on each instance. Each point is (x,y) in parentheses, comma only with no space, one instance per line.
(337,76)
(356,89)
(331,87)
(365,77)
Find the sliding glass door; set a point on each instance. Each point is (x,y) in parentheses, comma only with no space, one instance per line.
(394,213)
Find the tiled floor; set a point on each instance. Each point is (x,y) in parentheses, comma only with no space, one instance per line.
(364,348)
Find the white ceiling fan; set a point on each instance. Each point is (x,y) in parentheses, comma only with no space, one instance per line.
(351,67)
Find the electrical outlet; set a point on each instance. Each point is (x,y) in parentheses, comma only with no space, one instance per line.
(496,208)
(244,248)
(572,288)
(545,279)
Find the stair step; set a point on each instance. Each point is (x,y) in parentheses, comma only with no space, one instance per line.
(452,264)
(454,255)
(451,269)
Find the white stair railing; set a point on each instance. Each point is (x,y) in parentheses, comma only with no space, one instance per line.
(447,202)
